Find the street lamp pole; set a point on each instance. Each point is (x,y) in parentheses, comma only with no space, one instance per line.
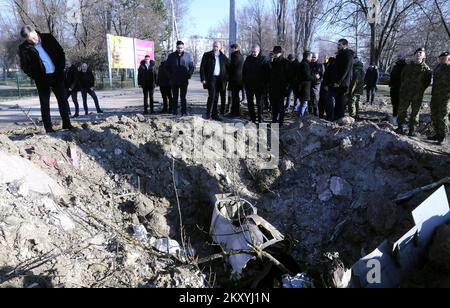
(233,23)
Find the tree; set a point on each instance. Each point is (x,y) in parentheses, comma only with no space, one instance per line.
(280,7)
(306,14)
(391,15)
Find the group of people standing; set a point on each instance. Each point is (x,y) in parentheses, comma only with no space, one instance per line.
(276,78)
(80,79)
(408,84)
(325,90)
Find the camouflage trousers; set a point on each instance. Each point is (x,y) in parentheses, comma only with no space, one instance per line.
(353,105)
(440,108)
(415,102)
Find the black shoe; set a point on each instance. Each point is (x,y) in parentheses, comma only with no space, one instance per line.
(400,131)
(50,131)
(443,142)
(232,115)
(68,127)
(412,132)
(100,111)
(433,138)
(216,118)
(163,111)
(145,112)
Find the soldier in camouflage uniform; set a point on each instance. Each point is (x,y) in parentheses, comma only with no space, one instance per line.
(440,103)
(356,88)
(416,77)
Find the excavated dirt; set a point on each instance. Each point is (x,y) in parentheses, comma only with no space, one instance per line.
(332,192)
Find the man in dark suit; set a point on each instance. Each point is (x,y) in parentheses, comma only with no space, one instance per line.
(214,77)
(340,77)
(236,82)
(255,75)
(147,77)
(43,59)
(70,72)
(180,68)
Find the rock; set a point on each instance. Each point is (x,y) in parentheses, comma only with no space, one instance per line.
(381,215)
(346,121)
(113,119)
(158,223)
(325,196)
(140,233)
(340,187)
(323,182)
(14,168)
(141,118)
(440,249)
(314,147)
(19,188)
(144,207)
(346,143)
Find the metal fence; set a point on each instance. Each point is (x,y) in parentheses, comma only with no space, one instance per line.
(16,84)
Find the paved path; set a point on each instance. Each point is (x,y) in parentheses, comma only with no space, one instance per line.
(111,101)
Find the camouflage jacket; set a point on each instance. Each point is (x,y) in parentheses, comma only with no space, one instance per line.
(441,82)
(415,79)
(357,85)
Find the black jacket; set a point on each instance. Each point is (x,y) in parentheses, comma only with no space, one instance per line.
(85,80)
(163,76)
(342,71)
(236,81)
(317,68)
(147,77)
(396,74)
(305,79)
(180,68)
(208,64)
(70,77)
(31,63)
(279,77)
(255,73)
(371,78)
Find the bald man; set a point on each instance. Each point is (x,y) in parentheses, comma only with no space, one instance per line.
(214,77)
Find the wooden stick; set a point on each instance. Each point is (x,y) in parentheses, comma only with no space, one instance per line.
(408,195)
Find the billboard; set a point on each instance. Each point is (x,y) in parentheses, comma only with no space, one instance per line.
(121,52)
(144,48)
(127,53)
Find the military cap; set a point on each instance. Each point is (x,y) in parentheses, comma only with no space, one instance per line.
(419,49)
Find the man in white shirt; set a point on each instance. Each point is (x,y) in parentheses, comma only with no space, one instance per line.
(43,60)
(214,77)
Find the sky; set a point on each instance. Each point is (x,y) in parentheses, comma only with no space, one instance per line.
(205,14)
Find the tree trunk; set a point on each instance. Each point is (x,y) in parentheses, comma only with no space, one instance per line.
(373,39)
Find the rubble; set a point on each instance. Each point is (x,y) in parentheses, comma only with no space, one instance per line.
(69,202)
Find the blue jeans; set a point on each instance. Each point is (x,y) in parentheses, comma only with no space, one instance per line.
(301,109)
(288,99)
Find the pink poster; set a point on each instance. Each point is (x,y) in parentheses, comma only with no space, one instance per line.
(144,48)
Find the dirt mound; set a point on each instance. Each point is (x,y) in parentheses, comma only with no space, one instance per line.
(332,191)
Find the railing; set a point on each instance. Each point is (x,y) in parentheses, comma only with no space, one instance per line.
(16,84)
